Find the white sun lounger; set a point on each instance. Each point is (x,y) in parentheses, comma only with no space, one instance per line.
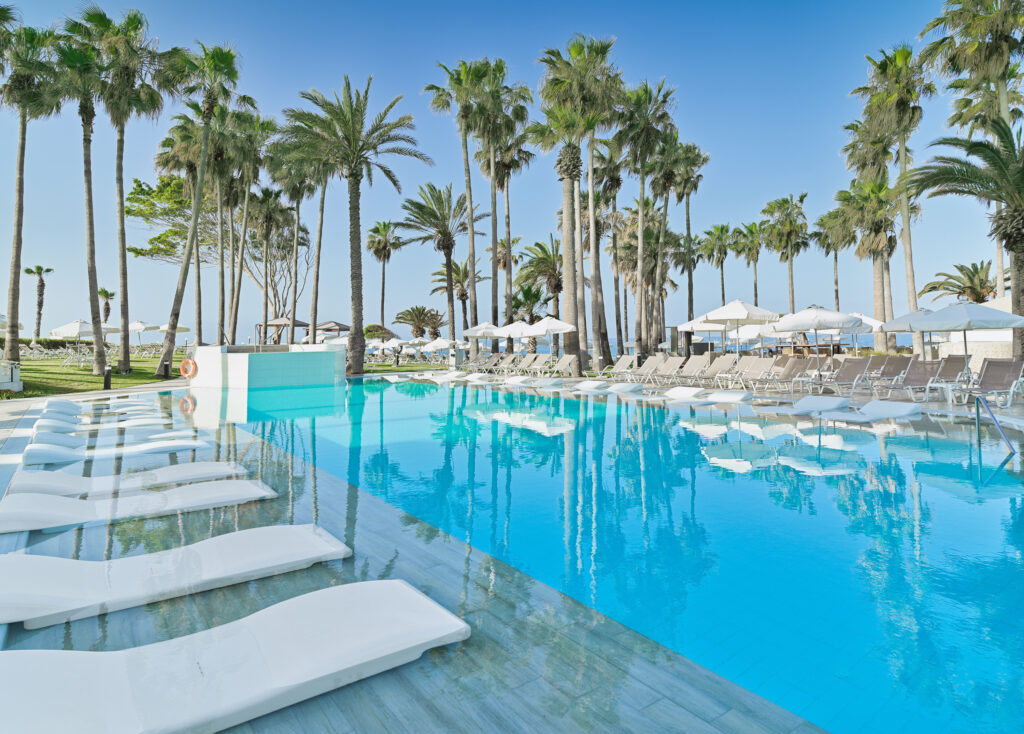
(55,425)
(548,383)
(876,410)
(42,453)
(226,675)
(69,485)
(43,590)
(518,381)
(31,511)
(719,396)
(589,387)
(138,435)
(806,406)
(72,407)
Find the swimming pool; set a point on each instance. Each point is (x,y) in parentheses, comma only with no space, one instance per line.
(863,581)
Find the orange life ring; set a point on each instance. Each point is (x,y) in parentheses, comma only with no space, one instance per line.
(187,405)
(188,368)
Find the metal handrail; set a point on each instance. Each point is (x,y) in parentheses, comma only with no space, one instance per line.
(978,402)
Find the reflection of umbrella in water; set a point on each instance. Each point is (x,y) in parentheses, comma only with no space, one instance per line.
(537,422)
(764,430)
(739,458)
(840,439)
(970,482)
(416,390)
(705,426)
(815,462)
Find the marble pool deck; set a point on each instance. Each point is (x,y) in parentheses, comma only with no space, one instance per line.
(537,660)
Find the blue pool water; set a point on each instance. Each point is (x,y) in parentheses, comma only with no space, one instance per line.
(865,582)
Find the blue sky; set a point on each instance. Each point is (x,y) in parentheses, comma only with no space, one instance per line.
(762,87)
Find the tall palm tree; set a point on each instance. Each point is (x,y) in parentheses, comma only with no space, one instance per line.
(271,216)
(460,281)
(436,218)
(527,305)
(513,156)
(356,144)
(685,257)
(565,127)
(416,318)
(833,233)
(136,75)
(748,240)
(992,172)
(463,85)
(716,247)
(972,282)
(542,263)
(690,177)
(434,322)
(787,233)
(38,271)
(643,118)
(665,172)
(106,296)
(585,78)
(26,59)
(893,95)
(210,76)
(79,79)
(382,241)
(609,161)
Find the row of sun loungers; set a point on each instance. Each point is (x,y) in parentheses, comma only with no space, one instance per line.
(210,680)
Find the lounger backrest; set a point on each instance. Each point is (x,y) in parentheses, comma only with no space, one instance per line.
(561,364)
(919,373)
(951,368)
(894,366)
(671,365)
(527,361)
(793,368)
(851,369)
(999,374)
(743,365)
(653,362)
(720,365)
(623,363)
(695,364)
(541,362)
(507,361)
(782,360)
(876,362)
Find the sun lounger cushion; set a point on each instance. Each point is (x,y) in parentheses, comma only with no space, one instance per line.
(622,388)
(876,410)
(44,590)
(591,386)
(30,511)
(806,406)
(229,674)
(59,426)
(69,485)
(41,453)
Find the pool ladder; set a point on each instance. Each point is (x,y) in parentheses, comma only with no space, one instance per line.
(980,401)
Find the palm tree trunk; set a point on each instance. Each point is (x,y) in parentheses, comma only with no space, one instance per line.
(615,282)
(40,290)
(555,313)
(581,283)
(124,364)
(754,265)
(99,356)
(792,290)
(889,313)
(266,283)
(199,282)
(316,265)
(878,279)
(356,340)
(471,257)
(383,285)
(659,263)
(243,234)
(601,345)
(688,335)
(640,335)
(494,248)
(572,340)
(295,272)
(11,351)
(508,256)
(1000,264)
(449,292)
(220,264)
(231,267)
(1017,299)
(465,314)
(835,275)
(721,279)
(908,253)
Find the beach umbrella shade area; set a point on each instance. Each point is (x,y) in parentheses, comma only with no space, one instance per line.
(964,317)
(485,330)
(816,318)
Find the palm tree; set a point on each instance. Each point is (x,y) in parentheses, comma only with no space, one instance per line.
(893,96)
(210,76)
(135,73)
(787,233)
(716,246)
(106,296)
(434,322)
(585,79)
(833,234)
(463,85)
(565,127)
(436,218)
(992,172)
(527,304)
(685,257)
(748,241)
(609,161)
(416,318)
(26,58)
(542,263)
(690,177)
(355,145)
(513,156)
(382,241)
(271,216)
(643,118)
(972,282)
(665,169)
(460,281)
(79,78)
(38,271)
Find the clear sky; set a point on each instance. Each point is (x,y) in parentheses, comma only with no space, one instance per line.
(762,87)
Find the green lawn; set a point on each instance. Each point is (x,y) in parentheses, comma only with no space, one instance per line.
(47,377)
(412,366)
